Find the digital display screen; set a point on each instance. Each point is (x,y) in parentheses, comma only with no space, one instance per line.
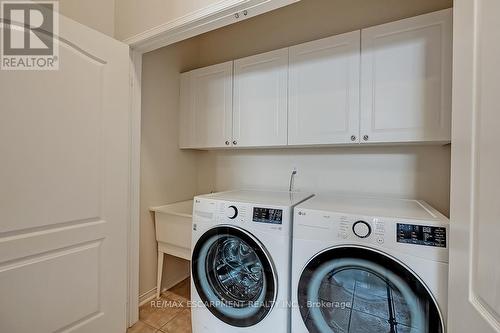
(268,215)
(421,235)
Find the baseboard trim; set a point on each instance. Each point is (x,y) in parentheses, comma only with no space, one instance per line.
(165,288)
(150,295)
(147,296)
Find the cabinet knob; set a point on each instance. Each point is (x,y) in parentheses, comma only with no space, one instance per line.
(235,142)
(237,15)
(227,143)
(353,137)
(365,137)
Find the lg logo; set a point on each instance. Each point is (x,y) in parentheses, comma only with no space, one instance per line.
(29,34)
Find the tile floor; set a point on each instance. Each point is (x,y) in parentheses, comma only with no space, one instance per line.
(366,307)
(167,315)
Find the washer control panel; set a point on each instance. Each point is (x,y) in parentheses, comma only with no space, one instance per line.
(421,235)
(363,230)
(252,215)
(231,213)
(267,215)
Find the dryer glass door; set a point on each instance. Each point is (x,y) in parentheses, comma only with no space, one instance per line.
(234,276)
(356,290)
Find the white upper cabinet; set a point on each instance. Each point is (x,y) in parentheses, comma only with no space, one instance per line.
(385,84)
(406,80)
(211,91)
(186,115)
(324,91)
(260,100)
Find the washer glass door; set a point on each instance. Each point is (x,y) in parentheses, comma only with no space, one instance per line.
(234,276)
(356,290)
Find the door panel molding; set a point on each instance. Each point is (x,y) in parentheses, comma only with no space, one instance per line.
(46,281)
(485,287)
(29,244)
(474,288)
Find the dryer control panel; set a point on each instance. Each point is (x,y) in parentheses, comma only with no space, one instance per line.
(393,226)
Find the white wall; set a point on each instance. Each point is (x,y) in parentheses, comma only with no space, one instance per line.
(167,173)
(421,172)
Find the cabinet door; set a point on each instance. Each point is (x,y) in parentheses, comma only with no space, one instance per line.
(212,94)
(260,100)
(406,80)
(187,137)
(324,91)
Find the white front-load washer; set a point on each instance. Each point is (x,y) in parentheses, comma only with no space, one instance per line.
(369,265)
(240,265)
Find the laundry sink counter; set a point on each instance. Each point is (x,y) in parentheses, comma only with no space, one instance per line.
(173,228)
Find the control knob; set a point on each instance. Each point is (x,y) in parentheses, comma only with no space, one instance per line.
(361,229)
(232,212)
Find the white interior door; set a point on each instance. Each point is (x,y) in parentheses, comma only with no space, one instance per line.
(64,173)
(474,289)
(260,102)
